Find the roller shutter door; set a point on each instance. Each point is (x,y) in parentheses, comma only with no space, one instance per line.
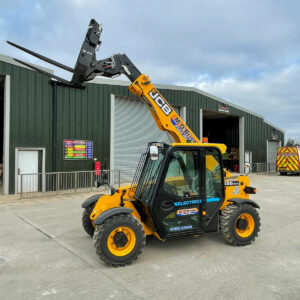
(133,128)
(272,154)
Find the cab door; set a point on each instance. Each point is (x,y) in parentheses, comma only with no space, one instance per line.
(177,204)
(190,192)
(214,191)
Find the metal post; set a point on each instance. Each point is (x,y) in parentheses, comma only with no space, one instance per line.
(75,174)
(242,145)
(91,180)
(21,184)
(58,182)
(54,126)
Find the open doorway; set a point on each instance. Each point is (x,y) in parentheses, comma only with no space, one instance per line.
(2,80)
(224,128)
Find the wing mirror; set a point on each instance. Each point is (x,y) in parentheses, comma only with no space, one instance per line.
(153,153)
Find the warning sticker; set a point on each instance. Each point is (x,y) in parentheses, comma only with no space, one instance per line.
(187,212)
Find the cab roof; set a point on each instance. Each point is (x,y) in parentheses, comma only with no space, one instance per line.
(221,147)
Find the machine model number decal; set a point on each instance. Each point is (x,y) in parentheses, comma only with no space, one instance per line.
(179,125)
(231,183)
(160,102)
(187,212)
(177,228)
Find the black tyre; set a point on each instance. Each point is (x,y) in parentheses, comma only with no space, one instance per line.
(283,173)
(119,240)
(86,221)
(239,224)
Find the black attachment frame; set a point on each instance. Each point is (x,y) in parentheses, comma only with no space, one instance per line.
(87,67)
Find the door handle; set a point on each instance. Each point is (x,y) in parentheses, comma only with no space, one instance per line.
(167,205)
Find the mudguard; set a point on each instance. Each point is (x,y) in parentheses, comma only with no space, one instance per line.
(111,212)
(91,200)
(244,201)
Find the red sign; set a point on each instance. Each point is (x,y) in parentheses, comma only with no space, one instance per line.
(97,168)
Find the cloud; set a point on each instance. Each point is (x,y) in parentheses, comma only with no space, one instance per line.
(242,50)
(275,95)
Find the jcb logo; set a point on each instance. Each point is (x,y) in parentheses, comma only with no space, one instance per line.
(160,102)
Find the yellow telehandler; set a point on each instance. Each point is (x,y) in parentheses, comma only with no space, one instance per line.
(179,189)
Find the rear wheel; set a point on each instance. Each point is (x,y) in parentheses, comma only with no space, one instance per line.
(119,240)
(239,224)
(86,221)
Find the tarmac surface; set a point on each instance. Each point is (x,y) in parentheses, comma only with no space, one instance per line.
(45,254)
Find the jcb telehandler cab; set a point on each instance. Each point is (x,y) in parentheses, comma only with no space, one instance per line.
(178,189)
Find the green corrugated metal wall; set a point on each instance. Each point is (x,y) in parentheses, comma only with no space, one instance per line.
(31,113)
(85,114)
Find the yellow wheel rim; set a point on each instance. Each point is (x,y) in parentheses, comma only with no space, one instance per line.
(121,241)
(249,227)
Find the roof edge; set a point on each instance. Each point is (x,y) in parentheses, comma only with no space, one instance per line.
(177,87)
(187,88)
(276,127)
(10,60)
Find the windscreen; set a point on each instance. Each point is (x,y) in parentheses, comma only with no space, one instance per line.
(145,182)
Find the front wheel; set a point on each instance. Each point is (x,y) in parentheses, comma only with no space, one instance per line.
(87,224)
(239,224)
(119,240)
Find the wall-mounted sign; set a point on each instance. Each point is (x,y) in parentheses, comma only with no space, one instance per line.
(78,149)
(223,108)
(274,136)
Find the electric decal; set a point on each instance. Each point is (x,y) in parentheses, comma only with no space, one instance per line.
(188,202)
(197,201)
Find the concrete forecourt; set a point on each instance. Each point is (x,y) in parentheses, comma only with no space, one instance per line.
(45,252)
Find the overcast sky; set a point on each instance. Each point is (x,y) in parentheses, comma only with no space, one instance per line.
(247,52)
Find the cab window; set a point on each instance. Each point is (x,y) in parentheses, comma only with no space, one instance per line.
(181,184)
(213,172)
(181,177)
